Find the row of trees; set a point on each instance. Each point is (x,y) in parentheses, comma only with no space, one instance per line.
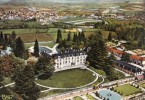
(17,45)
(71,42)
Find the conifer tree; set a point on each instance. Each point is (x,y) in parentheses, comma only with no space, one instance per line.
(19,49)
(36,49)
(59,36)
(79,37)
(12,40)
(1,38)
(83,36)
(110,36)
(13,34)
(69,37)
(74,37)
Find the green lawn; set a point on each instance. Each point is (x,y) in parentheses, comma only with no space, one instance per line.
(127,90)
(90,97)
(77,98)
(101,72)
(69,79)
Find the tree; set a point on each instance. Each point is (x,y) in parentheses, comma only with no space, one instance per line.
(25,85)
(1,38)
(83,36)
(110,36)
(62,44)
(6,64)
(141,39)
(44,67)
(69,37)
(36,49)
(59,36)
(19,49)
(1,76)
(12,40)
(74,38)
(14,34)
(98,58)
(79,37)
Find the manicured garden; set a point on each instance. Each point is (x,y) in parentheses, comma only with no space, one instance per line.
(69,79)
(126,90)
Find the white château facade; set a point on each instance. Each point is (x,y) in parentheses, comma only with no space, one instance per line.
(69,58)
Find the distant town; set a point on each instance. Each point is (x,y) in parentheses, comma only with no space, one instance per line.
(72,51)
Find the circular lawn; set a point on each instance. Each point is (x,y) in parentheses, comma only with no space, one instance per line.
(69,79)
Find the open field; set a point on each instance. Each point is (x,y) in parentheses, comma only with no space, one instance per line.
(115,21)
(127,90)
(68,79)
(49,44)
(33,37)
(72,19)
(24,31)
(78,22)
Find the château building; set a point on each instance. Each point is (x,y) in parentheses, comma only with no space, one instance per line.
(70,59)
